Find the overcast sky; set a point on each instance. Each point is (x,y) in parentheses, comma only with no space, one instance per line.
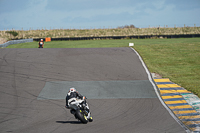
(38,14)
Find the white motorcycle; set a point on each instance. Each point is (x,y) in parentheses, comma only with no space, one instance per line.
(81,110)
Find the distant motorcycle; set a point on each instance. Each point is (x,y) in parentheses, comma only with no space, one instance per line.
(41,44)
(81,111)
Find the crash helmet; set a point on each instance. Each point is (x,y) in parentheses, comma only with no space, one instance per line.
(41,39)
(72,90)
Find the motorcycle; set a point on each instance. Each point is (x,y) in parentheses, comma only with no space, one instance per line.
(41,44)
(81,111)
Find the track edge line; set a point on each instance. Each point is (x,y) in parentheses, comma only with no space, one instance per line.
(157,93)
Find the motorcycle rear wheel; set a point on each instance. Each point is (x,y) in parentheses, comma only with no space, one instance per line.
(81,116)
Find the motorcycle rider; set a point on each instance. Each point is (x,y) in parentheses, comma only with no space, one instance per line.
(41,43)
(73,99)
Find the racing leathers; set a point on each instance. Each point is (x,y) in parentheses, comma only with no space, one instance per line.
(41,44)
(72,99)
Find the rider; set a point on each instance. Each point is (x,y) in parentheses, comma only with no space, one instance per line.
(41,42)
(72,100)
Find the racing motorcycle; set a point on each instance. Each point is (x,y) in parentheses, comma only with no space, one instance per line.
(41,44)
(81,111)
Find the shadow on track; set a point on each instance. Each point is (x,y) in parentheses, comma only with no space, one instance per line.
(71,122)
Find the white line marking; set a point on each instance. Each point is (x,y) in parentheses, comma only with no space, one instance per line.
(157,93)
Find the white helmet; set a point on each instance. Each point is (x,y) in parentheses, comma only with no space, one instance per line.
(72,90)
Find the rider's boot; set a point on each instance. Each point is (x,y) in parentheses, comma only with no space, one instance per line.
(90,119)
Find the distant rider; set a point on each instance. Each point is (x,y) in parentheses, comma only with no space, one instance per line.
(41,43)
(73,99)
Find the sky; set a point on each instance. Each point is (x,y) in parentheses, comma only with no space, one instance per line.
(89,14)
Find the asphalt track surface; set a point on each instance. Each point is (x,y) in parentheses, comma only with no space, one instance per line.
(123,100)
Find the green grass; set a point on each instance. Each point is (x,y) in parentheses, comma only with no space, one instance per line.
(73,44)
(103,43)
(177,59)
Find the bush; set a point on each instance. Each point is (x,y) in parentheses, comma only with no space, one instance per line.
(127,26)
(14,33)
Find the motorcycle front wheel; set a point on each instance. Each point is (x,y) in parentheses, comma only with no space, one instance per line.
(81,116)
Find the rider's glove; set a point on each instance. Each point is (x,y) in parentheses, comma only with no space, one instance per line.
(84,98)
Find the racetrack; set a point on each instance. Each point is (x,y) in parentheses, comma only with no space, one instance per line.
(34,82)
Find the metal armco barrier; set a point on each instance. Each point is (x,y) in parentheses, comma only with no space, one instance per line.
(121,37)
(16,42)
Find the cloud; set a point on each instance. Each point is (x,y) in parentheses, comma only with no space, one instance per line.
(77,5)
(65,13)
(183,5)
(31,14)
(13,5)
(159,4)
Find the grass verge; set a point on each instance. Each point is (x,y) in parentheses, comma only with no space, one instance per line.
(177,59)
